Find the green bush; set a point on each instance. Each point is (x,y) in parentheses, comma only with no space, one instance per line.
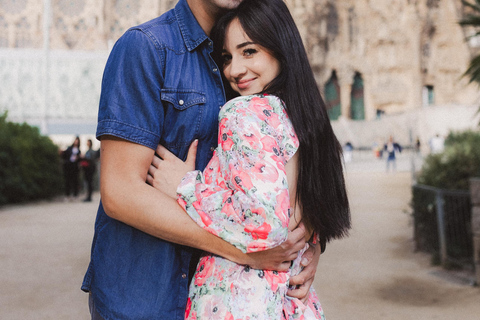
(450,170)
(29,164)
(453,168)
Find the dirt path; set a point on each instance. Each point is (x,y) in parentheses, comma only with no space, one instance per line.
(374,274)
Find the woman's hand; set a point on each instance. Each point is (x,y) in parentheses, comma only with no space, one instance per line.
(279,258)
(304,280)
(166,171)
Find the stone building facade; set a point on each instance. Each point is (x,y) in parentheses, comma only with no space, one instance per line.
(371,58)
(386,57)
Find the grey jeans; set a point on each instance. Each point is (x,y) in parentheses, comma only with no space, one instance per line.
(93,312)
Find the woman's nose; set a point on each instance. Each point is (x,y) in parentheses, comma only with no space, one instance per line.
(237,68)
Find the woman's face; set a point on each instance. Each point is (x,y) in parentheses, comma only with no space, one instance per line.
(247,66)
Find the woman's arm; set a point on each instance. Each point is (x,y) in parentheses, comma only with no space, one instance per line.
(127,198)
(242,196)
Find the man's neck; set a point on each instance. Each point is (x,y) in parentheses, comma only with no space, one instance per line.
(206,13)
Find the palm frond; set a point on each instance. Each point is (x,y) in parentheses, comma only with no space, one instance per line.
(470,20)
(473,71)
(475,6)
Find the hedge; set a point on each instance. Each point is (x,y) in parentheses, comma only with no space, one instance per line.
(30,166)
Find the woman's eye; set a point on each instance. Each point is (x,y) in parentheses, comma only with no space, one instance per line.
(249,52)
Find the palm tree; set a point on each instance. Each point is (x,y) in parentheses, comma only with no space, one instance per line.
(473,20)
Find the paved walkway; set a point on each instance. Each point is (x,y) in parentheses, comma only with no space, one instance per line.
(373,274)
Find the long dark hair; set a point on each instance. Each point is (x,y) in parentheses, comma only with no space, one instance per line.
(321,189)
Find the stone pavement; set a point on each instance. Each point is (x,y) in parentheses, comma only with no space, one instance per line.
(373,274)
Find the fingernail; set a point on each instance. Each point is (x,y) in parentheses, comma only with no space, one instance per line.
(304,262)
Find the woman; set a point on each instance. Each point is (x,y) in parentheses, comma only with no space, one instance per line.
(278,163)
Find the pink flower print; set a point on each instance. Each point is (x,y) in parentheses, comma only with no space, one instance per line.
(209,170)
(258,232)
(226,141)
(221,183)
(274,120)
(204,270)
(279,162)
(274,278)
(260,212)
(188,308)
(242,180)
(209,191)
(265,171)
(255,247)
(261,107)
(203,216)
(214,308)
(283,206)
(182,202)
(228,208)
(252,137)
(269,144)
(222,124)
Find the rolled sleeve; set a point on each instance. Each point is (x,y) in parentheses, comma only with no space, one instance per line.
(130,104)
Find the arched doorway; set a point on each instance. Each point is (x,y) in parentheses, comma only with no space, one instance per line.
(332,97)
(357,106)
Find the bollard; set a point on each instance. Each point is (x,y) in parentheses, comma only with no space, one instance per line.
(475,199)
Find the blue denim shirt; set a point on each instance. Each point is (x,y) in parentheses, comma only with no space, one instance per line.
(160,85)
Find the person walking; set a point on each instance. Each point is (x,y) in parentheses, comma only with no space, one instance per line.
(391,147)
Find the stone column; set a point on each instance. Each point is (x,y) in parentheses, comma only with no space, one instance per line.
(475,198)
(345,80)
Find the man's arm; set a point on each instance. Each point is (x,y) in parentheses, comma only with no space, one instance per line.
(127,198)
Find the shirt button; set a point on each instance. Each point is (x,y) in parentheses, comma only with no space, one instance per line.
(181,102)
(210,43)
(212,148)
(215,69)
(184,276)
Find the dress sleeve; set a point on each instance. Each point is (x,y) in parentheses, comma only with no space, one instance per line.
(242,196)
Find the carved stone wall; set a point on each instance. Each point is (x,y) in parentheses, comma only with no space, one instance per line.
(74,24)
(407,53)
(21,24)
(399,47)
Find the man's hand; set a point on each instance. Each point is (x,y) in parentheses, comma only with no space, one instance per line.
(166,171)
(304,280)
(279,258)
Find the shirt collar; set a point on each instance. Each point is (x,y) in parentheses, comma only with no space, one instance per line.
(193,35)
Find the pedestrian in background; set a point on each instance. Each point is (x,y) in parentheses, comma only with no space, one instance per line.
(89,167)
(391,147)
(71,171)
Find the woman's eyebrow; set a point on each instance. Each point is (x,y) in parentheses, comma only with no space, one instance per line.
(244,44)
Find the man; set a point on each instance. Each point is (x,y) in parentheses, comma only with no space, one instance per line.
(160,86)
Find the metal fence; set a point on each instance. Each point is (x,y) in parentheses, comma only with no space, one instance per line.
(442,221)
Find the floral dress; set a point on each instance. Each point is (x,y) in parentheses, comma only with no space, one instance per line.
(242,197)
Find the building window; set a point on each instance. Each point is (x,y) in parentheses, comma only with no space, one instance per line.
(332,97)
(357,107)
(428,96)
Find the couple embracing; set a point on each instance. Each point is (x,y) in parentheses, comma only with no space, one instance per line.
(234,231)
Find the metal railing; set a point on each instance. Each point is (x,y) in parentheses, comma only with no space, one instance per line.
(442,221)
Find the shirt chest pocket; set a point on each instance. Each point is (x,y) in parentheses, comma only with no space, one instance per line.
(184,111)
